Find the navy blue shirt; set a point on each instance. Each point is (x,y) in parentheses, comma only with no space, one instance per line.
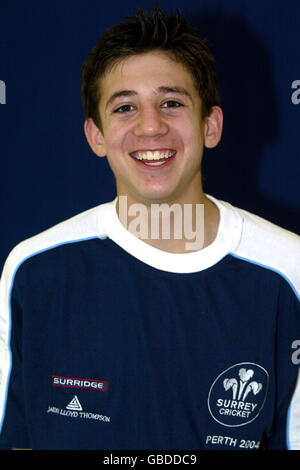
(113,344)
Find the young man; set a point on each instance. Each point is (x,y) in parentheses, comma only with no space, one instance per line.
(110,340)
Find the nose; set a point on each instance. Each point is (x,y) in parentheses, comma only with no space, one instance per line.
(150,122)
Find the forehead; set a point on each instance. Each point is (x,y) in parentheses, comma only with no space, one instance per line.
(146,72)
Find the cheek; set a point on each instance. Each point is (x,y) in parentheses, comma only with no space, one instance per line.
(114,137)
(188,127)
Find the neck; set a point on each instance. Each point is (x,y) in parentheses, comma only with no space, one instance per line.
(175,227)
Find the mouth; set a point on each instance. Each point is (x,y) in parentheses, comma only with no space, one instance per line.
(153,157)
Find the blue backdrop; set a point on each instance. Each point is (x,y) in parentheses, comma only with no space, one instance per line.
(48,172)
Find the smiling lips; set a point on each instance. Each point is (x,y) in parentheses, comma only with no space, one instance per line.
(153,157)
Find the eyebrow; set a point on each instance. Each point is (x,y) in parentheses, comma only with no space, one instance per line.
(161,90)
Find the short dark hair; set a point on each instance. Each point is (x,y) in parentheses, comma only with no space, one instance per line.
(145,32)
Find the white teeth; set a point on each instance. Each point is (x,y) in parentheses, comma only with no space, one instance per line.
(155,163)
(156,155)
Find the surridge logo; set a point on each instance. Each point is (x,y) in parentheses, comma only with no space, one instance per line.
(71,382)
(248,384)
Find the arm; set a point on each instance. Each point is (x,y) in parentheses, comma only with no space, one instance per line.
(286,428)
(13,425)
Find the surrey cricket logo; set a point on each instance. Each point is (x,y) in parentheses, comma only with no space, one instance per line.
(238,394)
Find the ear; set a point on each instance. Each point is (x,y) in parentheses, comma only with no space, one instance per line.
(213,127)
(94,137)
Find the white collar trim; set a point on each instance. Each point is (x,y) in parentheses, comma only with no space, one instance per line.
(227,240)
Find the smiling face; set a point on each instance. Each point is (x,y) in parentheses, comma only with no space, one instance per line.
(152,131)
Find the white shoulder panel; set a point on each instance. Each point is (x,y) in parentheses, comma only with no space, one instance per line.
(271,246)
(80,227)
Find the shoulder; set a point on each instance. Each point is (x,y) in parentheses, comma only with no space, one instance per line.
(83,226)
(269,245)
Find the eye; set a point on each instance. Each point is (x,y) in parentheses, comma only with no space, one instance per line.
(171,104)
(124,108)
